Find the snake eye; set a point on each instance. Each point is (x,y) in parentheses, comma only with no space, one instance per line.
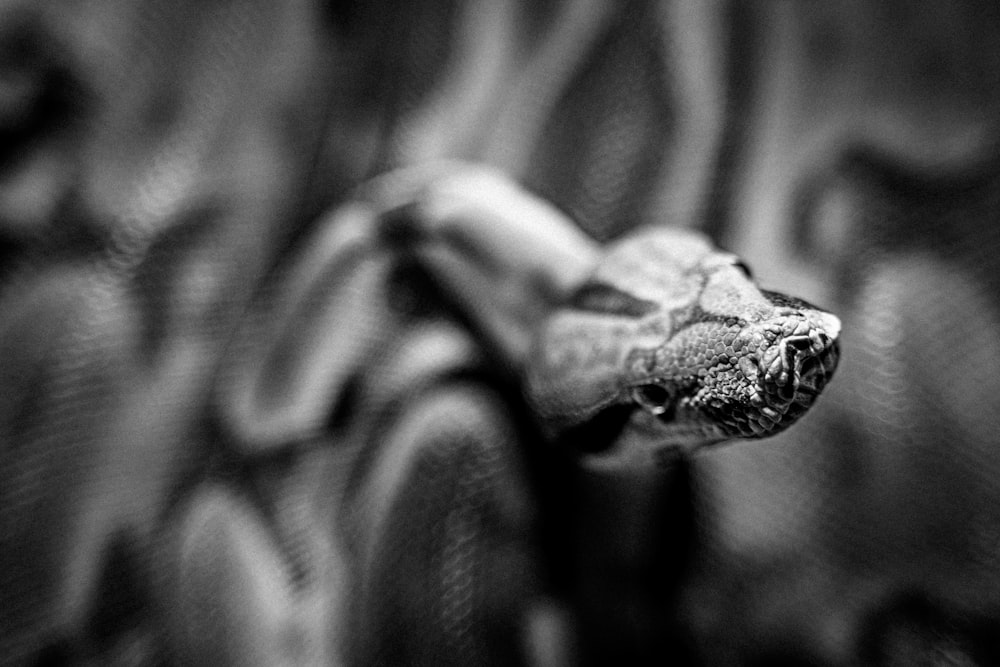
(654,399)
(741,265)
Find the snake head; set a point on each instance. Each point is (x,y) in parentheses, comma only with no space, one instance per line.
(737,378)
(672,345)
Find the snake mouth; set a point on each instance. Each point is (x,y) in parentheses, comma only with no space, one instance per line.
(792,374)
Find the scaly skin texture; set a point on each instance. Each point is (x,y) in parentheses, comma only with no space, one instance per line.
(671,344)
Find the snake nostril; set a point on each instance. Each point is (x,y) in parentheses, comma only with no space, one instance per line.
(787,392)
(811,366)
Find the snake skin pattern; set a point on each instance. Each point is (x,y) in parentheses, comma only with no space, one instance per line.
(192,362)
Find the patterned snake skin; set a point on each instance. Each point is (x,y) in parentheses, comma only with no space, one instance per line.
(229,437)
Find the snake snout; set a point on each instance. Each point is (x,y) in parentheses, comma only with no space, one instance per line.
(791,374)
(797,371)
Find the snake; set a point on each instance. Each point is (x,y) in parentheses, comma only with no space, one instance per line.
(656,342)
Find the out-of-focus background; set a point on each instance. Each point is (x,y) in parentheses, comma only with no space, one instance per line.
(159,159)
